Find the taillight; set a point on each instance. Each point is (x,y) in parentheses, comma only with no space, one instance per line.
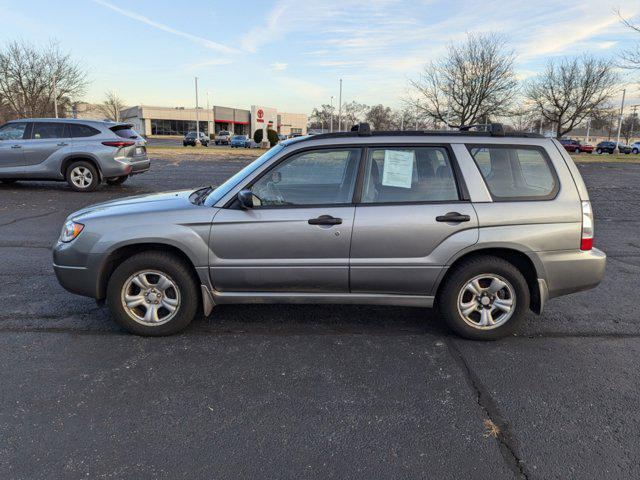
(586,241)
(119,143)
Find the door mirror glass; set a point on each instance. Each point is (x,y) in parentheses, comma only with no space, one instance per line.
(245,198)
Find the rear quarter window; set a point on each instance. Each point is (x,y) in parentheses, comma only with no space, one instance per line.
(79,131)
(516,172)
(125,131)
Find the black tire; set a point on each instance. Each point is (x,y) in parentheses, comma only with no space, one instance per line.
(83,166)
(462,274)
(117,180)
(8,181)
(184,144)
(599,151)
(167,264)
(634,151)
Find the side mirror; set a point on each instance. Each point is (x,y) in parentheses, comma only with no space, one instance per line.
(245,198)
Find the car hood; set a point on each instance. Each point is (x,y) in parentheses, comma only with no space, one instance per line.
(156,202)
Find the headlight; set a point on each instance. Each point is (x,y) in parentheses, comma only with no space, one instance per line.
(70,231)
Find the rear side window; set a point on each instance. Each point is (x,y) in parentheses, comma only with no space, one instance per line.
(396,175)
(78,130)
(43,130)
(124,131)
(516,173)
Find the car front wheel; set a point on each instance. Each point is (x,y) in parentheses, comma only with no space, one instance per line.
(153,293)
(577,150)
(82,176)
(599,151)
(484,298)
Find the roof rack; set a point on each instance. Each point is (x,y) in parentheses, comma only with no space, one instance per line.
(491,130)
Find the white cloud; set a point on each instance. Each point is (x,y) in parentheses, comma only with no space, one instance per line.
(210,63)
(204,42)
(279,66)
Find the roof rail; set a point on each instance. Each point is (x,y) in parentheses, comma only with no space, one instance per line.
(490,130)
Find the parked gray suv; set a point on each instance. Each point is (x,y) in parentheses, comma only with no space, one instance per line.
(483,225)
(82,152)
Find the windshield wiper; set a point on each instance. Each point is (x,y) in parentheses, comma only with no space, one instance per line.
(201,194)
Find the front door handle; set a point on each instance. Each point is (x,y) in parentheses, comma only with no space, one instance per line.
(453,217)
(16,146)
(62,144)
(325,220)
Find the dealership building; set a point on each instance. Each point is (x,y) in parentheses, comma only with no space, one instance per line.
(176,122)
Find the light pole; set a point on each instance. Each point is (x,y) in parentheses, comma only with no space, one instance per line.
(340,108)
(617,149)
(331,118)
(633,122)
(417,113)
(197,118)
(55,95)
(588,128)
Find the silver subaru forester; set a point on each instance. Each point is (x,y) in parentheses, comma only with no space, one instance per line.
(483,225)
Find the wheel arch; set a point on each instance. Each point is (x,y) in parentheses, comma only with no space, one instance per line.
(68,160)
(518,258)
(120,254)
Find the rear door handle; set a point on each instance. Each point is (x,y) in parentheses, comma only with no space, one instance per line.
(62,144)
(325,220)
(453,217)
(16,146)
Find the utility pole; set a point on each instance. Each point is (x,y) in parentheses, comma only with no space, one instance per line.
(340,108)
(417,112)
(633,122)
(588,128)
(540,129)
(197,117)
(55,95)
(331,127)
(617,149)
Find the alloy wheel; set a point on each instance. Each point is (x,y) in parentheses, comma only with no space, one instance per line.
(150,297)
(486,301)
(81,177)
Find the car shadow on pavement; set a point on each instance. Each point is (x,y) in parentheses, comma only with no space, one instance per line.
(318,320)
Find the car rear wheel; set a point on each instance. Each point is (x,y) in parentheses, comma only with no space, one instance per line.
(484,298)
(634,151)
(82,176)
(152,293)
(577,150)
(599,151)
(117,180)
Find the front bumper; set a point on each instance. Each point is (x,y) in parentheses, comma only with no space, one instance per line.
(572,271)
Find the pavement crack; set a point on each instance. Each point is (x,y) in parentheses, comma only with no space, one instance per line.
(16,220)
(506,441)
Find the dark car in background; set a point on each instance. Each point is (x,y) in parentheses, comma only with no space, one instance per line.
(192,139)
(240,141)
(574,146)
(609,147)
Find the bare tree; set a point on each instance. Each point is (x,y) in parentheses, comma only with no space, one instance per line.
(474,79)
(380,117)
(631,56)
(321,117)
(112,107)
(570,90)
(29,76)
(352,114)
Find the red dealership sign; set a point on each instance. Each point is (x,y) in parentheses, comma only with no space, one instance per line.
(260,114)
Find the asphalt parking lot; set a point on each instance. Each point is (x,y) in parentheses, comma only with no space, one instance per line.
(312,391)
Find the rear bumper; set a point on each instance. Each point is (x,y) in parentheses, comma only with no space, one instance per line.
(572,271)
(140,166)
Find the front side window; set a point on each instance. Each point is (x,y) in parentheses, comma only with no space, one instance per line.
(320,177)
(13,131)
(48,130)
(394,175)
(516,173)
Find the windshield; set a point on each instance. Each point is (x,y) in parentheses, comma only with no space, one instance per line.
(227,186)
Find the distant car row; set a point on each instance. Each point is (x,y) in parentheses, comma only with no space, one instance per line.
(574,146)
(224,137)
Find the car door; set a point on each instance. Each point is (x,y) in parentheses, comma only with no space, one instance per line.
(297,236)
(412,216)
(46,139)
(12,146)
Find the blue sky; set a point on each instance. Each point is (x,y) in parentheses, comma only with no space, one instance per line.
(290,54)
